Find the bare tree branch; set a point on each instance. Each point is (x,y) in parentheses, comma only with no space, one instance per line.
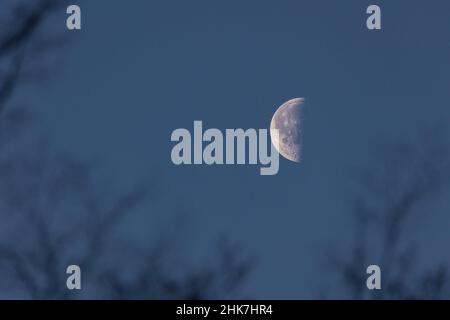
(404,176)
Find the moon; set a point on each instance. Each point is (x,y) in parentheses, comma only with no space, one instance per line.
(288,121)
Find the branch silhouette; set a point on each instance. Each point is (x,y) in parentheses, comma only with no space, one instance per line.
(23,24)
(54,213)
(405,178)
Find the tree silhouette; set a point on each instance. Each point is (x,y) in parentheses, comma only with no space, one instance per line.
(53,212)
(20,35)
(395,193)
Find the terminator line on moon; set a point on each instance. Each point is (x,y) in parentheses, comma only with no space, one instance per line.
(287,120)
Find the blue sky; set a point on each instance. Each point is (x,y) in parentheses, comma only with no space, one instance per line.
(137,71)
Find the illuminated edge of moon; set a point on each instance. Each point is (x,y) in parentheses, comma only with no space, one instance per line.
(275,138)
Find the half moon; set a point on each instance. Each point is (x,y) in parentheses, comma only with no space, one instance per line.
(287,120)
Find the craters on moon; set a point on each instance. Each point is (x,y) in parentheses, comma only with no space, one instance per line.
(288,122)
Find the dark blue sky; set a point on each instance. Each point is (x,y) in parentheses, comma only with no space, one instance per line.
(138,70)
